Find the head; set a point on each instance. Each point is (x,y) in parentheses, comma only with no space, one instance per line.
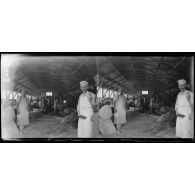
(182,84)
(84,86)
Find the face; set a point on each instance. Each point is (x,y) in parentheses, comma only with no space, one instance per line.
(84,89)
(182,87)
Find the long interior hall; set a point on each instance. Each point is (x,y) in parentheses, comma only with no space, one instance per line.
(51,84)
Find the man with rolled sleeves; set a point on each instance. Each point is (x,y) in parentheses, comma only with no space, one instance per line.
(184,111)
(85,111)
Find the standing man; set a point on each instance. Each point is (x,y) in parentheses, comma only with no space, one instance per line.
(120,110)
(184,111)
(22,112)
(85,111)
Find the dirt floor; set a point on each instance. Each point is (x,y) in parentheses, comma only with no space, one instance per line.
(145,126)
(138,126)
(47,127)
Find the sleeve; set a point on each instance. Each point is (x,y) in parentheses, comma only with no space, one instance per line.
(191,101)
(91,98)
(189,97)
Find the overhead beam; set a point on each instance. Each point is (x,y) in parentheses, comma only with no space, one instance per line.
(171,72)
(169,66)
(30,81)
(118,70)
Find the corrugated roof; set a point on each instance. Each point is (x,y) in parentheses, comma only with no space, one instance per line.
(62,74)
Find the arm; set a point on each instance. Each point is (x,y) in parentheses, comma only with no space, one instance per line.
(91,98)
(191,105)
(191,100)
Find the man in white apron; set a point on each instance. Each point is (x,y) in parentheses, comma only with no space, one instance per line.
(120,111)
(22,112)
(85,111)
(184,111)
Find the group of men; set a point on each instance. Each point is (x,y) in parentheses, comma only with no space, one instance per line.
(93,120)
(87,101)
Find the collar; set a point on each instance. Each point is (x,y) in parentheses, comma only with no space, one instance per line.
(84,93)
(183,92)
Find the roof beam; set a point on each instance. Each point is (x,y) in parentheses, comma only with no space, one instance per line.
(171,72)
(30,81)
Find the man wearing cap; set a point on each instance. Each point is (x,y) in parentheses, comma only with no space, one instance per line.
(85,111)
(184,111)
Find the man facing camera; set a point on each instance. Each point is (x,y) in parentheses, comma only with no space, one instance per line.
(184,111)
(85,111)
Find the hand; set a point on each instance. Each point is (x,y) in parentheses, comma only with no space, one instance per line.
(190,116)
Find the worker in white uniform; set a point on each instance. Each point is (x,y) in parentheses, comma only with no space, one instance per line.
(22,111)
(184,111)
(85,111)
(120,110)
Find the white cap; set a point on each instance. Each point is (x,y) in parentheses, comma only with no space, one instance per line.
(181,82)
(83,83)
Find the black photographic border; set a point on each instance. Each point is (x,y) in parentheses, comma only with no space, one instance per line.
(102,140)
